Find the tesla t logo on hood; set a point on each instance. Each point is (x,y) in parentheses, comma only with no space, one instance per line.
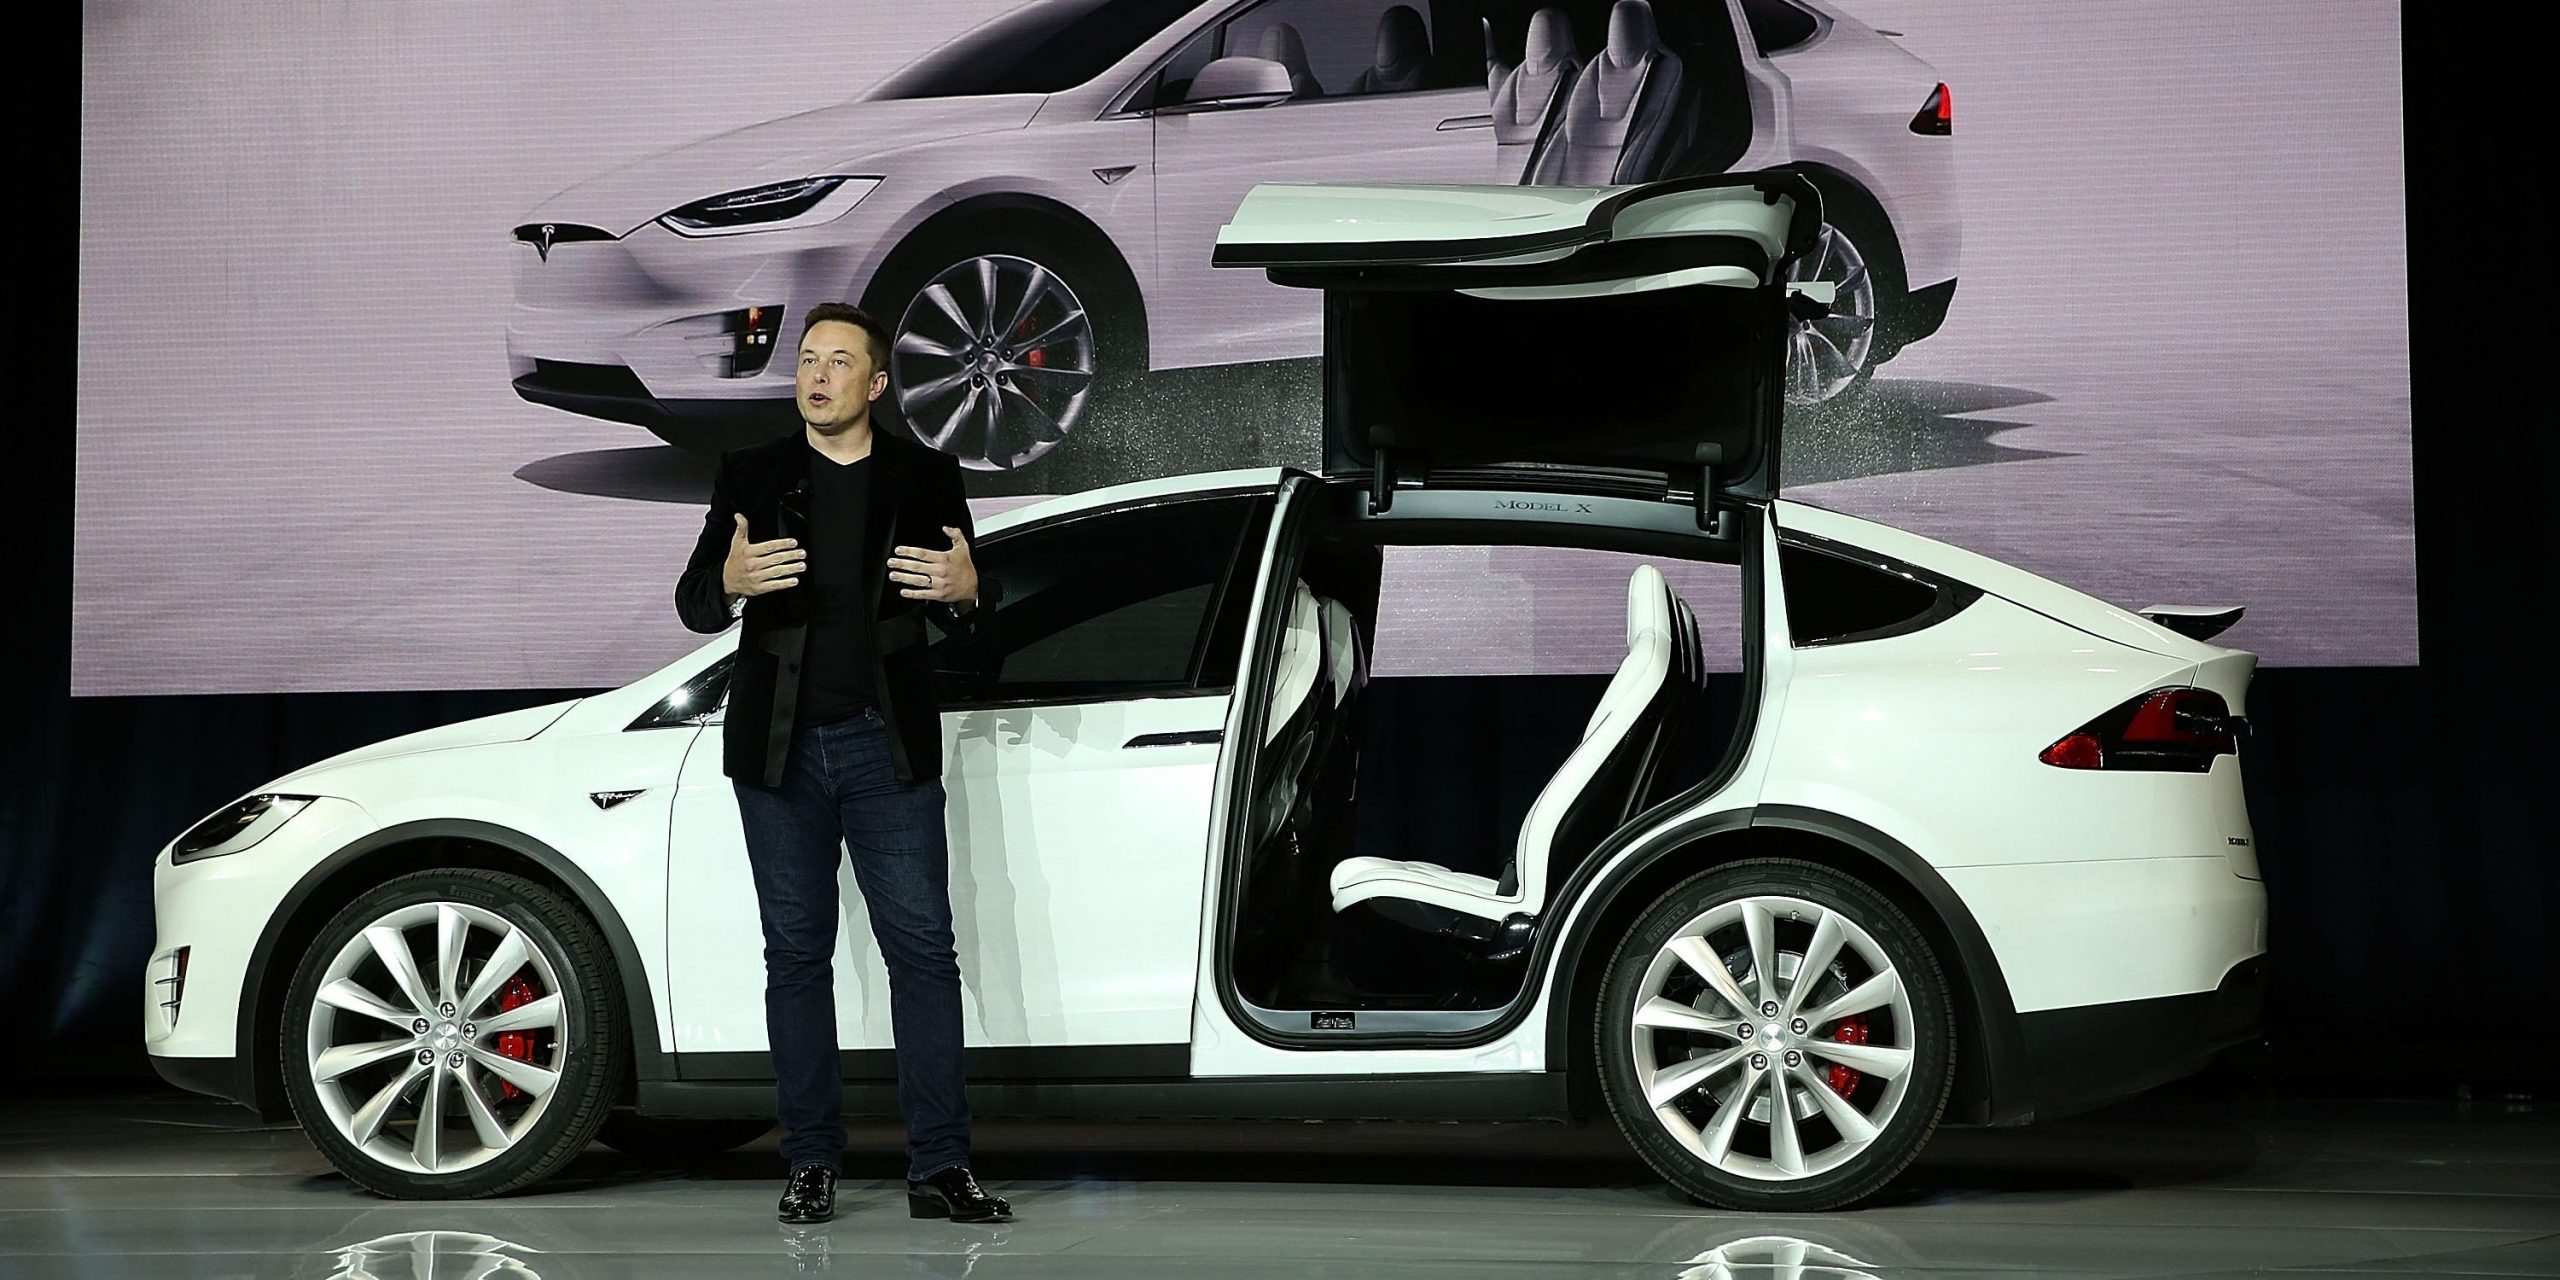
(544,239)
(608,799)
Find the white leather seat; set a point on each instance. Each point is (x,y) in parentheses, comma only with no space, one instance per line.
(1527,100)
(1301,661)
(1623,111)
(1625,721)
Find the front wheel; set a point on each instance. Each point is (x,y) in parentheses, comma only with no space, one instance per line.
(453,1034)
(1775,1035)
(1003,340)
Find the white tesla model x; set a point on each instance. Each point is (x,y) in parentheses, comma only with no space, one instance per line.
(1031,207)
(1848,834)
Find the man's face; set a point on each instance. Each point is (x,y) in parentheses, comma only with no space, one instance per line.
(838,380)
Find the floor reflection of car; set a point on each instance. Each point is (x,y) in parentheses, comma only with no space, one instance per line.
(1949,843)
(1032,206)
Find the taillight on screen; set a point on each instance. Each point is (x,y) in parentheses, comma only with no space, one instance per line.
(2173,730)
(1937,116)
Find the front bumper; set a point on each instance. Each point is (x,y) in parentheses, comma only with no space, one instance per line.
(641,329)
(2083,1057)
(199,1034)
(226,1078)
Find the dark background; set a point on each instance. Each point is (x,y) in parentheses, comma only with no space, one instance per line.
(2399,811)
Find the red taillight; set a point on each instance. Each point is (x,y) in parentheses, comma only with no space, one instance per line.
(1937,116)
(2176,730)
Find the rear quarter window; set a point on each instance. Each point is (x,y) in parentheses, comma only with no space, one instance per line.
(1777,26)
(1834,599)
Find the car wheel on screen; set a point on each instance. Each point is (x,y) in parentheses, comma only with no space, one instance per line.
(1833,356)
(1774,1035)
(453,1034)
(1002,341)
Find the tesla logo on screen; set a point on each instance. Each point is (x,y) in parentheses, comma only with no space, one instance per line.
(542,241)
(1560,508)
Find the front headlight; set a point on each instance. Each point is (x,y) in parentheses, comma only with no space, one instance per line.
(236,827)
(799,203)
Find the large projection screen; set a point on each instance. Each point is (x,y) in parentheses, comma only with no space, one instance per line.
(2173,367)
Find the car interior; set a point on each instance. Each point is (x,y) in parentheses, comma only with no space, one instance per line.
(1408,827)
(1662,94)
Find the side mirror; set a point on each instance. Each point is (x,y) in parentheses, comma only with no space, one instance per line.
(1237,82)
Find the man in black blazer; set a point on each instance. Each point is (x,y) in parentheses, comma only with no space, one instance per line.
(835,543)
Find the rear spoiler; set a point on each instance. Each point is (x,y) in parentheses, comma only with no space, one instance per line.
(2195,621)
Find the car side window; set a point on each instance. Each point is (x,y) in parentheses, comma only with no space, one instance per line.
(1832,599)
(1777,26)
(1356,48)
(1120,604)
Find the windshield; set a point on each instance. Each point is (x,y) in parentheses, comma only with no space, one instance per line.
(1040,48)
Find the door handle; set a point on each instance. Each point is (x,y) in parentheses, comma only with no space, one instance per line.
(1465,122)
(1179,738)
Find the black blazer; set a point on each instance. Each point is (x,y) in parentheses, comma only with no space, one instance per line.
(915,492)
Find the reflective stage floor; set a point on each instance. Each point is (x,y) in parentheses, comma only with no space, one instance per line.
(2197,1181)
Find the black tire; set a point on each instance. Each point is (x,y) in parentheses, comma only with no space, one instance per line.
(1911,1115)
(1090,271)
(670,1138)
(592,1044)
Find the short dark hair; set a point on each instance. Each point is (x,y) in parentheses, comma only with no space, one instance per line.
(847,313)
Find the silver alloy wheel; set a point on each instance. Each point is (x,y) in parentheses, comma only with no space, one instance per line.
(993,361)
(439,1075)
(1824,356)
(1738,1008)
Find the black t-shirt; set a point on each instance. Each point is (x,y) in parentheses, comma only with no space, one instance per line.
(835,671)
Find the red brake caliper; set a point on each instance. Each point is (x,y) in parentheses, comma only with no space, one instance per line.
(1037,357)
(519,1044)
(1844,1080)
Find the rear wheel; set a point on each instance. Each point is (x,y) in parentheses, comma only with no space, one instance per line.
(1827,358)
(453,1034)
(1775,1035)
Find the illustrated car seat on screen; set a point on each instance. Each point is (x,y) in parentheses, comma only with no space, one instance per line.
(1603,783)
(1402,62)
(1281,43)
(1629,111)
(1528,99)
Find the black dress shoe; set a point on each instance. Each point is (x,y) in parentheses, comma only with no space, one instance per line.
(954,1193)
(810,1195)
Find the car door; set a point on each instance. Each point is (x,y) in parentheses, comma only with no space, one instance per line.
(1657,320)
(1335,130)
(1082,734)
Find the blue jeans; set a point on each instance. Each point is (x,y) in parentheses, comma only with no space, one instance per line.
(838,786)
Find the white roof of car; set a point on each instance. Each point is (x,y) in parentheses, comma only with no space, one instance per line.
(1242,479)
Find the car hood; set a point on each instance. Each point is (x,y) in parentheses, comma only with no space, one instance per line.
(837,139)
(506,726)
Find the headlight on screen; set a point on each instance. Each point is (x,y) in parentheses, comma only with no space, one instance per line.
(798,203)
(236,827)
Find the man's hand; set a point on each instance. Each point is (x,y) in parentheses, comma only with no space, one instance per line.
(758,568)
(949,576)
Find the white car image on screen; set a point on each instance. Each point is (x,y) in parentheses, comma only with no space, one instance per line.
(1970,849)
(1031,207)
